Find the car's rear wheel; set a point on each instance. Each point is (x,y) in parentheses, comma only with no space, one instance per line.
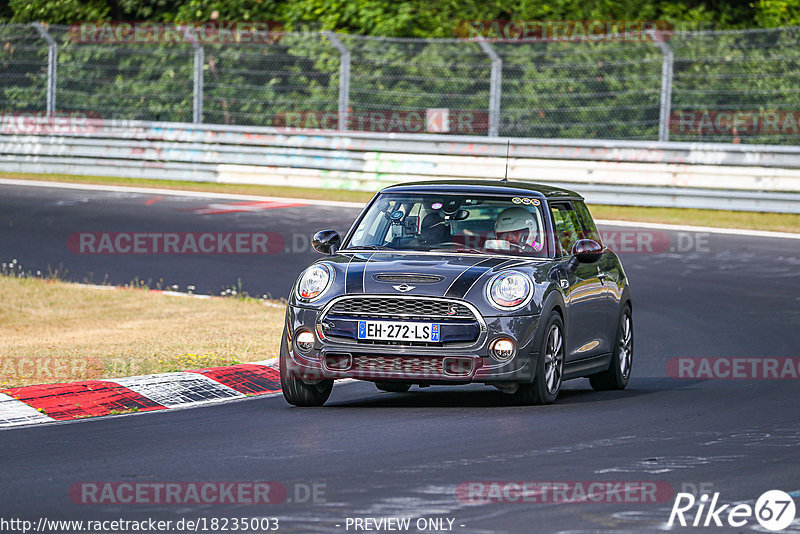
(549,366)
(295,390)
(393,387)
(619,372)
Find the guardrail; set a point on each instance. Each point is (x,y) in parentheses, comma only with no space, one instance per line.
(690,175)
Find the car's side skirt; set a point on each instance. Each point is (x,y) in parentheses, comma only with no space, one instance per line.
(587,366)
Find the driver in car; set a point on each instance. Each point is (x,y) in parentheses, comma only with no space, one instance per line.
(434,230)
(518,227)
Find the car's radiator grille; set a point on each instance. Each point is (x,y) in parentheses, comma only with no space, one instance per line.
(421,308)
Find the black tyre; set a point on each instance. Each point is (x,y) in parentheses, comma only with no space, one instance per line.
(549,366)
(619,371)
(393,387)
(295,390)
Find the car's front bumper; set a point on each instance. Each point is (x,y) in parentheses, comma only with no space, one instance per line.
(457,363)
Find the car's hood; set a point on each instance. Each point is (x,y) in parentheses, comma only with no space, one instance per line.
(414,274)
(452,276)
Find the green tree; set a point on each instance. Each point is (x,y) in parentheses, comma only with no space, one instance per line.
(58,11)
(774,13)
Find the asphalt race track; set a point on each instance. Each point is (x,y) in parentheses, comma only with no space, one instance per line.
(36,223)
(373,454)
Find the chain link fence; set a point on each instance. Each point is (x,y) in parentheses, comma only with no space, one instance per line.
(734,86)
(23,69)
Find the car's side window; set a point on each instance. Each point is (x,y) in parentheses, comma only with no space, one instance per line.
(567,226)
(588,228)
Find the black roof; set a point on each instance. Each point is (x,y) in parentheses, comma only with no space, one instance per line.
(483,186)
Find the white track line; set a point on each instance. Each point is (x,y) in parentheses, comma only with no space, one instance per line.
(177,192)
(159,291)
(269,362)
(207,194)
(268,303)
(708,229)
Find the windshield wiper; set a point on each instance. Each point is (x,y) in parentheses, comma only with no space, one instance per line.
(459,250)
(371,247)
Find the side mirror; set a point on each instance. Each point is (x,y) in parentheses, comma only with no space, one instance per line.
(326,241)
(587,250)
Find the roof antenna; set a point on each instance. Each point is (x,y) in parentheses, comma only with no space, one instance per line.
(508,147)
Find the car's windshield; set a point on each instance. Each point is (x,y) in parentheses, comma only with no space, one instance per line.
(453,223)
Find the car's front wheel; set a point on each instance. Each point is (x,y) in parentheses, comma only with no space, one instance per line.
(549,366)
(619,372)
(393,387)
(295,390)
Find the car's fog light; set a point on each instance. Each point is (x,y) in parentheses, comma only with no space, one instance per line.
(338,362)
(502,349)
(304,341)
(457,366)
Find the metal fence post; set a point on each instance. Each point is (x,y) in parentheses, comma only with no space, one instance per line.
(344,78)
(52,63)
(666,85)
(495,88)
(197,91)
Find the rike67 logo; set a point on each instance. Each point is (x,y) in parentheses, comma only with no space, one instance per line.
(774,510)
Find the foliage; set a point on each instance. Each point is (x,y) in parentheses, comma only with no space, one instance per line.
(58,11)
(604,89)
(407,18)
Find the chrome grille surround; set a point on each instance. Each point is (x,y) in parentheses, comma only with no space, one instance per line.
(402,307)
(398,307)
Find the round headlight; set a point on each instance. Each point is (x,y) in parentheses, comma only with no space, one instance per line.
(510,290)
(314,282)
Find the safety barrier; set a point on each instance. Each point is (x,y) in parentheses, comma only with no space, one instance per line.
(717,176)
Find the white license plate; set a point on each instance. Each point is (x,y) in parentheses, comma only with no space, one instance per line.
(398,331)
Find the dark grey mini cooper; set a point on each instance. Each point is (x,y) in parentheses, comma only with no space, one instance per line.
(454,282)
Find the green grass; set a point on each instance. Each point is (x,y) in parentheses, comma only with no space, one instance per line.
(779,222)
(54,331)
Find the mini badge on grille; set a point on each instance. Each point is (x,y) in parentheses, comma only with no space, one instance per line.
(404,288)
